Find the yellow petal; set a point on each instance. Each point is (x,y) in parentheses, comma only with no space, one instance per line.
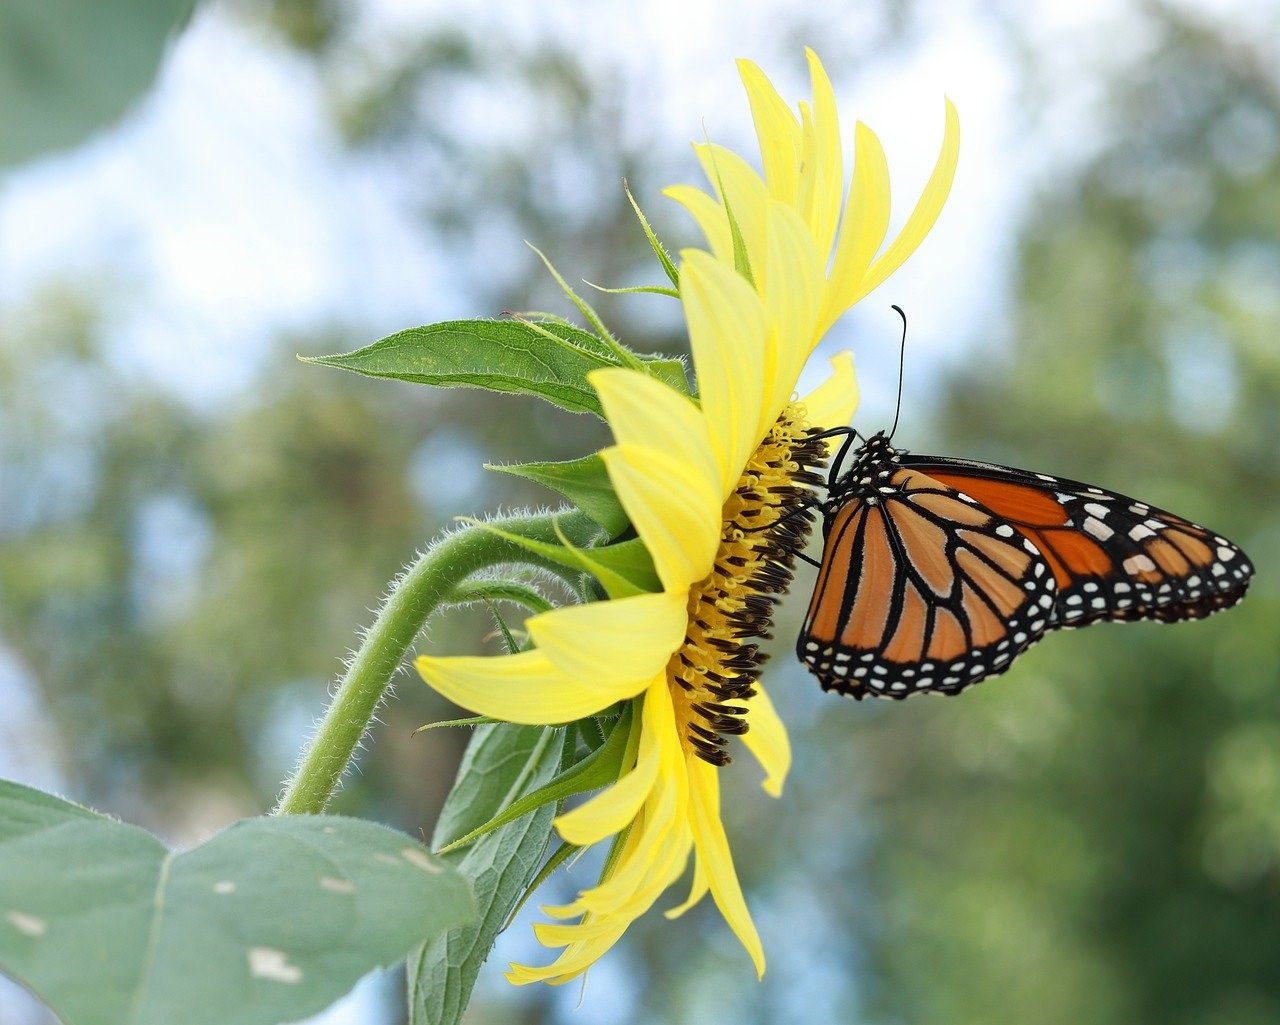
(727,336)
(609,812)
(926,211)
(644,411)
(709,215)
(866,219)
(675,511)
(777,130)
(523,688)
(697,891)
(737,184)
(713,852)
(792,303)
(626,639)
(767,740)
(828,167)
(662,838)
(580,956)
(835,400)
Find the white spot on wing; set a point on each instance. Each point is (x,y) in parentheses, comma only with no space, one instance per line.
(226,886)
(337,885)
(1097,528)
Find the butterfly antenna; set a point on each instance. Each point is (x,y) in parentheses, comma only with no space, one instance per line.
(902,352)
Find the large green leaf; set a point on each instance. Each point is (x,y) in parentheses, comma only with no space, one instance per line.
(67,70)
(502,763)
(547,359)
(271,920)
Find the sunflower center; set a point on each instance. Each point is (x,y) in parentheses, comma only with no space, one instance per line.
(764,523)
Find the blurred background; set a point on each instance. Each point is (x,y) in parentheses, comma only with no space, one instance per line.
(193,525)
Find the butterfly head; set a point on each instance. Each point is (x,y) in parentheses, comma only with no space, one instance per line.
(873,465)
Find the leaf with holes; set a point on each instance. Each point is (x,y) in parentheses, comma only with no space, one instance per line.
(271,920)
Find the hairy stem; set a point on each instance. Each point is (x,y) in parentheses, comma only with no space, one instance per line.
(418,592)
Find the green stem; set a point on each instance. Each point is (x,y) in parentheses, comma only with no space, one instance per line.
(422,589)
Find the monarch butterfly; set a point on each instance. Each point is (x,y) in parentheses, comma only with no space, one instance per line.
(938,572)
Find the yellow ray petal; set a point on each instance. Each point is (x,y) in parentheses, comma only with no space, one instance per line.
(626,639)
(709,216)
(767,740)
(727,336)
(926,211)
(609,812)
(523,688)
(866,219)
(778,132)
(713,851)
(658,845)
(744,192)
(828,185)
(697,890)
(792,303)
(835,400)
(644,411)
(675,511)
(580,956)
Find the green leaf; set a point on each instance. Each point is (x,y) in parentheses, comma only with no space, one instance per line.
(502,763)
(549,360)
(584,482)
(271,920)
(598,769)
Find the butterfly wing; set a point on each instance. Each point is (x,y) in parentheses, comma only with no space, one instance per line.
(1113,557)
(922,589)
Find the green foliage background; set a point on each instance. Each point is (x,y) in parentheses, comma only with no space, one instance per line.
(1093,838)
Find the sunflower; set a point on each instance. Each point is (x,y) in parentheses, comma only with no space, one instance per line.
(716,489)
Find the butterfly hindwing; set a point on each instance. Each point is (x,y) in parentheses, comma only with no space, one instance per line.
(1113,557)
(922,589)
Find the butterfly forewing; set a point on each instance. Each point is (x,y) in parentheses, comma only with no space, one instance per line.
(921,589)
(1113,557)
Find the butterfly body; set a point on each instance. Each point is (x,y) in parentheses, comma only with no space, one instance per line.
(938,572)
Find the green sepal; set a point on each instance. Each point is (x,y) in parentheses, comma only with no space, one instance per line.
(670,293)
(598,769)
(624,569)
(475,720)
(592,733)
(659,250)
(741,259)
(584,482)
(622,355)
(670,370)
(550,360)
(514,591)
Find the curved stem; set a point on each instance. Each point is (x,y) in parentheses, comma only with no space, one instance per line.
(422,589)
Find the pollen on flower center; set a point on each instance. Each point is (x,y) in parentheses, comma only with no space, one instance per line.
(764,523)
